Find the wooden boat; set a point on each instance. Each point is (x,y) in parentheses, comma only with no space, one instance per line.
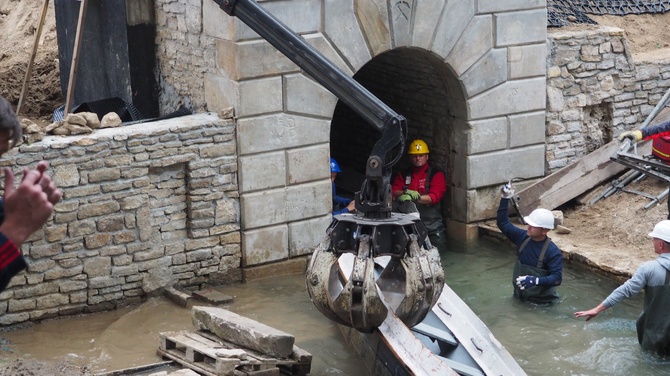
(451,340)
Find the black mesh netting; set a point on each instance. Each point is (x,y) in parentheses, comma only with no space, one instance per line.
(564,12)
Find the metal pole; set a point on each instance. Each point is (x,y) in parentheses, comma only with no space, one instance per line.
(657,199)
(657,109)
(613,187)
(625,182)
(625,146)
(75,57)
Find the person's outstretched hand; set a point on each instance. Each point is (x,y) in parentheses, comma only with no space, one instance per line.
(28,206)
(591,313)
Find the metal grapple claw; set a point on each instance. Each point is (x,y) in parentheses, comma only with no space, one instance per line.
(360,258)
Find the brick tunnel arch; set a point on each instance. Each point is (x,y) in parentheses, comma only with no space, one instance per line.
(416,84)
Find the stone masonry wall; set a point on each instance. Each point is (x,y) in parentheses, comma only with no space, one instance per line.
(184,54)
(595,90)
(144,206)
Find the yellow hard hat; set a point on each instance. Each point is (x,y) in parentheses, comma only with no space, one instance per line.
(418,147)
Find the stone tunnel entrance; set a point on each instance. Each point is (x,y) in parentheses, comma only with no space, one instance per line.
(469,76)
(415,84)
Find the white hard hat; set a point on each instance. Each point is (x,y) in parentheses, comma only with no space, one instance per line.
(661,231)
(542,218)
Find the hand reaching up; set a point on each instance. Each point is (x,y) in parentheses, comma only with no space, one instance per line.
(28,206)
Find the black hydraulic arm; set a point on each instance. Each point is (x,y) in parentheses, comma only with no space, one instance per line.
(374,199)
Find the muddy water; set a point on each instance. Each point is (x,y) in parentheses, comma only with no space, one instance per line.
(129,337)
(544,340)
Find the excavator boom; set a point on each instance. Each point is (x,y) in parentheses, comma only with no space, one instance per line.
(373,196)
(386,257)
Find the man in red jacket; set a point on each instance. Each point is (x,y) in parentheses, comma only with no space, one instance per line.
(23,209)
(425,186)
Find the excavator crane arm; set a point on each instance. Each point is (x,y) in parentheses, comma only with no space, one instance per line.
(373,201)
(377,260)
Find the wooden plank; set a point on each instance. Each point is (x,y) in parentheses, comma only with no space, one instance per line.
(400,340)
(29,70)
(263,372)
(410,350)
(147,368)
(581,176)
(197,352)
(207,371)
(571,181)
(299,363)
(79,35)
(474,336)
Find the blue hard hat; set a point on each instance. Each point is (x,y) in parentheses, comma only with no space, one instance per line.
(334,167)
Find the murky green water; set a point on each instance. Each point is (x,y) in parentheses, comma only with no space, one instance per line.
(549,340)
(544,340)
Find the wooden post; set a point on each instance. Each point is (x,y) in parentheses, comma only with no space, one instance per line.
(29,70)
(75,57)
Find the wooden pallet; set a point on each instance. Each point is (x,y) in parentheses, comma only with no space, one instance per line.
(198,351)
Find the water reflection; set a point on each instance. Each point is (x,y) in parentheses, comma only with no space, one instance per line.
(545,340)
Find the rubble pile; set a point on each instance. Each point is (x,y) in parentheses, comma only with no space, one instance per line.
(72,124)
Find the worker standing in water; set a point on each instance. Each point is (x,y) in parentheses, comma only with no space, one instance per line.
(424,185)
(539,265)
(653,325)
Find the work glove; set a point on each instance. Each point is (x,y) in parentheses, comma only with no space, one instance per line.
(527,281)
(404,197)
(635,135)
(507,191)
(413,194)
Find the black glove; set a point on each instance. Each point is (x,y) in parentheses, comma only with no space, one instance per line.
(527,281)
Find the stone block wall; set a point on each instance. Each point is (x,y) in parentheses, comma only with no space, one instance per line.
(184,54)
(596,90)
(487,59)
(144,207)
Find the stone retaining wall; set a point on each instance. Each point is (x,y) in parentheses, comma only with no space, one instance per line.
(144,206)
(595,90)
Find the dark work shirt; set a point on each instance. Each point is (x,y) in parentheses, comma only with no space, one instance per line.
(553,258)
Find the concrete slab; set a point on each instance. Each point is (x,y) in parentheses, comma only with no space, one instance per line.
(181,298)
(212,296)
(243,331)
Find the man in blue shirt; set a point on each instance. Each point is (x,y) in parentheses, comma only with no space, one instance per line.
(539,265)
(341,205)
